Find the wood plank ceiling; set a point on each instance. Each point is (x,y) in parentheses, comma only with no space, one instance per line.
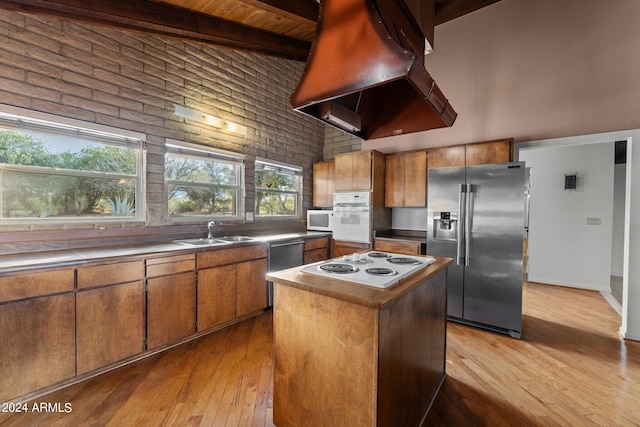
(281,28)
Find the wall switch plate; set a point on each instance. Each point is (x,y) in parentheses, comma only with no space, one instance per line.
(249,216)
(593,221)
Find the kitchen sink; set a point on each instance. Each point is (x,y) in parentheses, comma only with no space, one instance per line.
(202,242)
(237,238)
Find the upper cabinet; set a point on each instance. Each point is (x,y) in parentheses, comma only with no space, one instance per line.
(406,179)
(359,171)
(323,184)
(479,153)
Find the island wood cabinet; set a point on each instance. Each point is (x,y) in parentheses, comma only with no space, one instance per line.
(110,313)
(406,179)
(479,153)
(37,330)
(316,249)
(359,171)
(393,352)
(171,299)
(323,184)
(231,284)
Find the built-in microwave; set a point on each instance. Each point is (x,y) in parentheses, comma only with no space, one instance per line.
(320,220)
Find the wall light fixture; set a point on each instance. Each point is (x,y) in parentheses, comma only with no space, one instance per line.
(207,119)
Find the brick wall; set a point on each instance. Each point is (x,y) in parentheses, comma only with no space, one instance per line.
(131,81)
(337,141)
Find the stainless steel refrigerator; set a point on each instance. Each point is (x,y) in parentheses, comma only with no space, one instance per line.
(476,216)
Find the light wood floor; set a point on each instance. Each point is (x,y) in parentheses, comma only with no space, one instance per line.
(569,369)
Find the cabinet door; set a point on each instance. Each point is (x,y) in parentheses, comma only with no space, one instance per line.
(446,156)
(37,344)
(361,179)
(394,185)
(171,308)
(110,325)
(415,179)
(251,287)
(353,171)
(216,296)
(343,172)
(323,184)
(489,152)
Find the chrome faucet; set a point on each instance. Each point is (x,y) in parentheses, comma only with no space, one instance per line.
(210,226)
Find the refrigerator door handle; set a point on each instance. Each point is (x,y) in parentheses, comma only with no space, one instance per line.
(467,224)
(460,237)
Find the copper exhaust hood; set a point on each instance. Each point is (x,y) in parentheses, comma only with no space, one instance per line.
(365,72)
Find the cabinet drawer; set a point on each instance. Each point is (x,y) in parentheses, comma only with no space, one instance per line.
(32,284)
(106,274)
(315,255)
(397,247)
(170,265)
(319,243)
(230,256)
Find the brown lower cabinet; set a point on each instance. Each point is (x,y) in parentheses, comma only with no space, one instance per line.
(37,343)
(171,308)
(231,284)
(59,323)
(397,246)
(37,330)
(110,324)
(340,248)
(316,249)
(216,296)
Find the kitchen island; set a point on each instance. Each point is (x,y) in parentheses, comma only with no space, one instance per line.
(347,354)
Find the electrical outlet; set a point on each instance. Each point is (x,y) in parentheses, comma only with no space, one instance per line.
(249,216)
(593,221)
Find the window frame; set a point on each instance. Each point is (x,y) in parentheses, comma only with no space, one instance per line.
(203,152)
(24,120)
(281,167)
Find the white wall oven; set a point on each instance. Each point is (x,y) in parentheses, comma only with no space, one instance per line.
(352,217)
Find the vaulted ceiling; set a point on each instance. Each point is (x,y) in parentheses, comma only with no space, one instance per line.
(281,28)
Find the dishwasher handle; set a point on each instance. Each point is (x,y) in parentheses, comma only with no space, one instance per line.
(296,242)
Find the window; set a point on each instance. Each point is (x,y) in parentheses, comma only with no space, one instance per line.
(202,182)
(278,189)
(53,170)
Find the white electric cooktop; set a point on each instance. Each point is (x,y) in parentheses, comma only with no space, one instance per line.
(374,268)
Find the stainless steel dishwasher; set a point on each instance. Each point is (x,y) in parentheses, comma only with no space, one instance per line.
(283,255)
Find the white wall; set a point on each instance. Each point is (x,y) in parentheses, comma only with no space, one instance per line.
(617,239)
(563,248)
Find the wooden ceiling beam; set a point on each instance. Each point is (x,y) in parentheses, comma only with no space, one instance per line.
(305,11)
(166,20)
(446,10)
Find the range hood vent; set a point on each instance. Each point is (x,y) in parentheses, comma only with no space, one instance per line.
(365,73)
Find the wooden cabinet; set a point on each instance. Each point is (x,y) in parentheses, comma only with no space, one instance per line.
(231,284)
(406,179)
(323,184)
(37,335)
(110,324)
(251,287)
(397,246)
(216,296)
(359,171)
(340,248)
(499,151)
(316,249)
(171,299)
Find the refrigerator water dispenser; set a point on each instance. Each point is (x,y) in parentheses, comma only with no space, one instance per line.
(445,226)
